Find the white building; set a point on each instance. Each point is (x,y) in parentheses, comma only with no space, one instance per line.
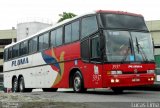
(29,28)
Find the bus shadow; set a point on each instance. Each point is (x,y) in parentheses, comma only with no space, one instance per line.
(146,88)
(102,92)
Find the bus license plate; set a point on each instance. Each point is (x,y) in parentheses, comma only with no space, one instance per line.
(137,79)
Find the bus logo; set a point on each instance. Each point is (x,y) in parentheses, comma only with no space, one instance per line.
(20,61)
(135,66)
(135,71)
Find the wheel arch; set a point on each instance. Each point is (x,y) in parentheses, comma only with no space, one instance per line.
(71,75)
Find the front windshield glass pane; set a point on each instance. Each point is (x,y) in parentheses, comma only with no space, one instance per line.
(120,21)
(125,46)
(143,46)
(118,46)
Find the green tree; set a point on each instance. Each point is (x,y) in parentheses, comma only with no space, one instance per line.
(66,15)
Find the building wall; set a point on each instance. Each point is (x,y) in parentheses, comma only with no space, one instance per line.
(154,27)
(6,37)
(29,28)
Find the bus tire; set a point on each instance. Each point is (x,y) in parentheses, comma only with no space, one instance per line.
(78,85)
(22,86)
(15,85)
(49,89)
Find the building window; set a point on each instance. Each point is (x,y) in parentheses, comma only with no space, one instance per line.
(5,41)
(1,55)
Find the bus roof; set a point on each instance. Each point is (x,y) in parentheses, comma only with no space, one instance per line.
(118,12)
(68,20)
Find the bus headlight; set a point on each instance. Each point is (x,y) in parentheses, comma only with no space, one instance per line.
(150,71)
(112,81)
(152,79)
(117,80)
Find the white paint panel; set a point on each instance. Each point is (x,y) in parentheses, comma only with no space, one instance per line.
(42,76)
(158,77)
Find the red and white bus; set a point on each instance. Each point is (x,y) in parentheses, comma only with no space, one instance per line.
(96,50)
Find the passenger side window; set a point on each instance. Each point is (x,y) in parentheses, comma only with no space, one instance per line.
(68,33)
(32,45)
(46,41)
(59,36)
(40,43)
(53,38)
(43,41)
(23,48)
(10,53)
(72,32)
(89,26)
(5,54)
(15,51)
(75,31)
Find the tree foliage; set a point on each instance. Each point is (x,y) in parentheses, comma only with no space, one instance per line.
(66,15)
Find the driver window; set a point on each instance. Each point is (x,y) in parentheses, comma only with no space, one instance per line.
(95,48)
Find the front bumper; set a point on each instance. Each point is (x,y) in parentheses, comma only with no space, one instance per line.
(129,80)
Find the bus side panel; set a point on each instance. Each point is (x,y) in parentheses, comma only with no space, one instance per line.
(38,77)
(62,59)
(8,79)
(35,72)
(69,58)
(66,58)
(92,74)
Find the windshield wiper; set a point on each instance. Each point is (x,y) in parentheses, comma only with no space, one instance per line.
(140,50)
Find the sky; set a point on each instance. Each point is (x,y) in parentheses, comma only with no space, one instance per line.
(13,12)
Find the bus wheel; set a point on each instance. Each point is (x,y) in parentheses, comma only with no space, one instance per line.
(15,85)
(117,90)
(49,89)
(22,86)
(78,85)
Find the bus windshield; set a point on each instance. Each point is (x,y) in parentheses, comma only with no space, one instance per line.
(143,47)
(122,46)
(119,21)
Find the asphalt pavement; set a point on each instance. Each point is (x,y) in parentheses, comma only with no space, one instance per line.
(93,98)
